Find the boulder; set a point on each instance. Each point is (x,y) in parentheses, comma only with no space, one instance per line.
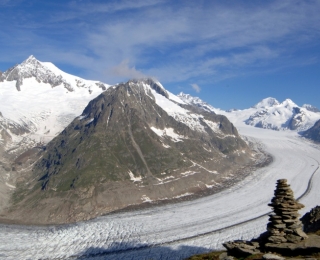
(311,220)
(242,248)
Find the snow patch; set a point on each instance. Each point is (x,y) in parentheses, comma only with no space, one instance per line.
(188,173)
(144,198)
(183,195)
(178,113)
(169,132)
(10,186)
(133,178)
(196,164)
(89,121)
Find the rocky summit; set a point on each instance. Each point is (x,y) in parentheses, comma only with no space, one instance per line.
(134,143)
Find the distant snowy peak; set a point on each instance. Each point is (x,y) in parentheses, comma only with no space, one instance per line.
(195,101)
(311,108)
(272,102)
(271,114)
(47,73)
(267,102)
(288,103)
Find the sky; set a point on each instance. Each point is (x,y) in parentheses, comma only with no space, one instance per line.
(230,53)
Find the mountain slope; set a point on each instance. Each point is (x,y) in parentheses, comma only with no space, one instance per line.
(10,129)
(313,133)
(135,142)
(311,108)
(41,98)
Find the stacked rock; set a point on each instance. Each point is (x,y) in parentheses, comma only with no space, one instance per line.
(284,225)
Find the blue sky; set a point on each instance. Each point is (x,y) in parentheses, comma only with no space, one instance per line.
(230,53)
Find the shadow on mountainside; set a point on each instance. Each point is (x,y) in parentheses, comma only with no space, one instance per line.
(140,251)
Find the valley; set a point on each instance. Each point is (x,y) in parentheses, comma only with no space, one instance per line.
(179,230)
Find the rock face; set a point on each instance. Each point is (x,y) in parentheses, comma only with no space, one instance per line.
(284,225)
(311,220)
(314,132)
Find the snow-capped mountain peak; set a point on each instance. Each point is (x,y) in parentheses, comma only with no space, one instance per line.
(288,103)
(31,67)
(196,101)
(48,73)
(267,102)
(268,113)
(281,116)
(42,98)
(31,60)
(149,83)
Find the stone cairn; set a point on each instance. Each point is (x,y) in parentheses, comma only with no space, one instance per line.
(284,225)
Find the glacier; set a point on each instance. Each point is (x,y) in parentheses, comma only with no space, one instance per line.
(179,230)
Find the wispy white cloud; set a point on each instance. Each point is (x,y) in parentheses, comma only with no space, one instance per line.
(125,71)
(85,8)
(196,87)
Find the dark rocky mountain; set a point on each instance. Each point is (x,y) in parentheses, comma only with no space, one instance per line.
(313,133)
(134,143)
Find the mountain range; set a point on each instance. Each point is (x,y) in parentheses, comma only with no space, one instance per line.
(269,113)
(38,100)
(86,148)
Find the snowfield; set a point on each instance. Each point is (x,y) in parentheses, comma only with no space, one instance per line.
(177,231)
